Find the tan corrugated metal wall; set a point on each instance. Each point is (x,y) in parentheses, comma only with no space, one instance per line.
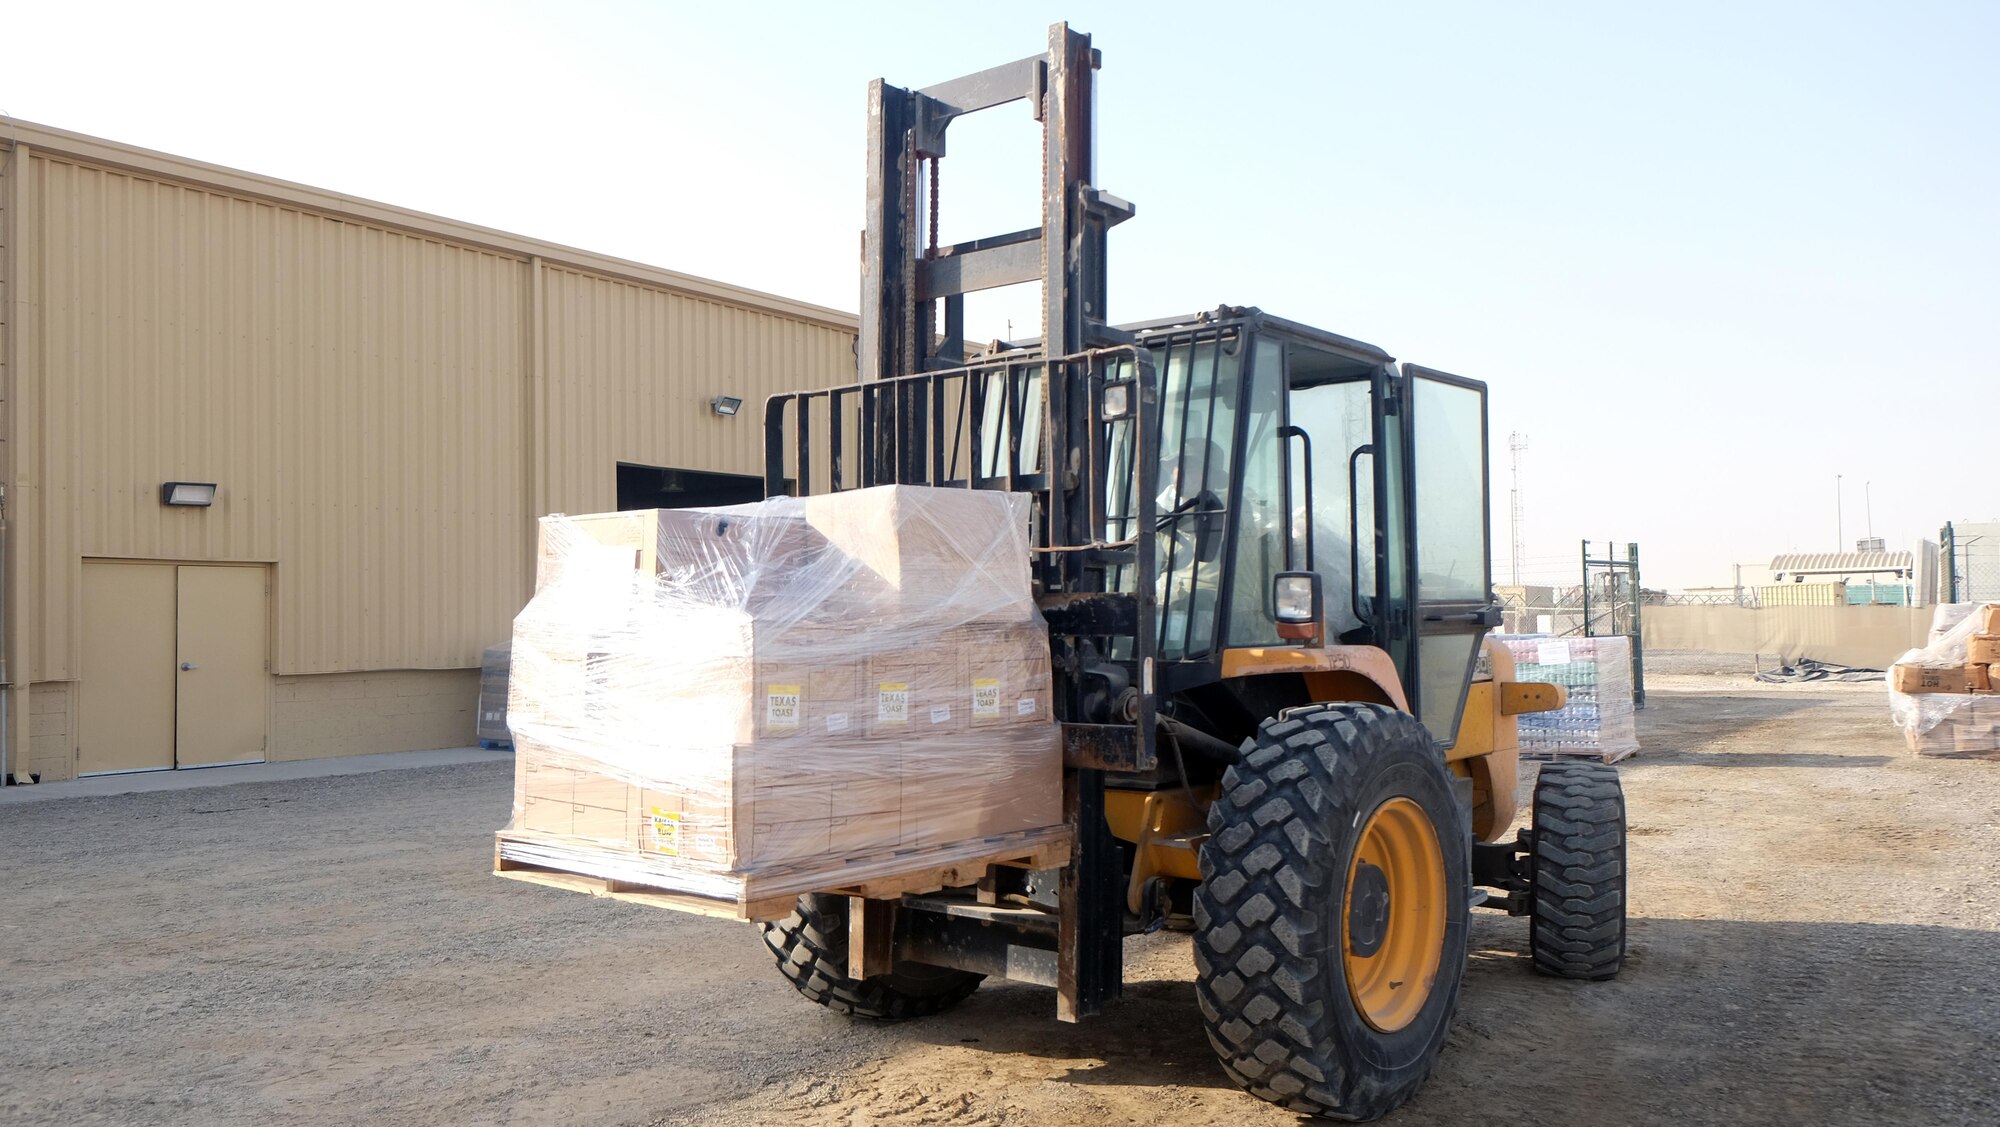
(383,410)
(631,371)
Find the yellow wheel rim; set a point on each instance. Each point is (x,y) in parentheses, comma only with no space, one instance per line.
(1392,921)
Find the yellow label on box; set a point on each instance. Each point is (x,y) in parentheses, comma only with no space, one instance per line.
(986,696)
(666,827)
(781,706)
(892,702)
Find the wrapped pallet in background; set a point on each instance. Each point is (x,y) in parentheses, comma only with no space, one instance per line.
(1598,721)
(1942,695)
(490,728)
(781,697)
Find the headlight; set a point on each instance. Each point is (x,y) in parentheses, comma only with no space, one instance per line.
(1117,401)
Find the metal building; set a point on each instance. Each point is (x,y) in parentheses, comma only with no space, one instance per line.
(382,400)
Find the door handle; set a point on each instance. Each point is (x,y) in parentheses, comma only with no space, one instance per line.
(189,667)
(1485,616)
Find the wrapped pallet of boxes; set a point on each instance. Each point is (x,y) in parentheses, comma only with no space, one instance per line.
(747,703)
(1944,697)
(1599,721)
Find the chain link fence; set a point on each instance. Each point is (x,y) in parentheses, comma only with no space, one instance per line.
(1972,565)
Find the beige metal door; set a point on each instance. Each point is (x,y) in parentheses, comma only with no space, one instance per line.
(220,708)
(125,707)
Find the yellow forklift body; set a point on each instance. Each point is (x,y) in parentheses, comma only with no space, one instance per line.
(1167,827)
(1333,673)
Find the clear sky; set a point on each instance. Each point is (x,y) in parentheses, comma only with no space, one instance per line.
(1707,256)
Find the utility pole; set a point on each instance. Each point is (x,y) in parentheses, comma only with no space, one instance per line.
(1868,505)
(1839,529)
(1516,442)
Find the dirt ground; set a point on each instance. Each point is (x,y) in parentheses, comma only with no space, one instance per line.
(1814,939)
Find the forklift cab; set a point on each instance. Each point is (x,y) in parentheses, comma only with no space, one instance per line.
(1290,461)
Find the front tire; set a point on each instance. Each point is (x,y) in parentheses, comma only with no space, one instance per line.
(1336,843)
(811,949)
(1577,929)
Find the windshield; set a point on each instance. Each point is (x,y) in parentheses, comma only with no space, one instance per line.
(1200,382)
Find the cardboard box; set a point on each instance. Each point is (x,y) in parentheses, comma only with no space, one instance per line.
(601,792)
(689,829)
(1964,727)
(866,835)
(916,691)
(541,773)
(1989,618)
(858,779)
(1978,678)
(787,804)
(649,542)
(1979,738)
(1940,739)
(1983,649)
(961,553)
(976,800)
(1007,675)
(806,698)
(543,815)
(781,843)
(546,690)
(972,786)
(713,680)
(774,803)
(1923,679)
(616,826)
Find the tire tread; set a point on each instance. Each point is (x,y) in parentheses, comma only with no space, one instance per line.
(1577,927)
(1263,966)
(810,946)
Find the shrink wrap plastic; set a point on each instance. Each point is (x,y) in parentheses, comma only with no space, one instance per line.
(1950,724)
(1948,615)
(800,691)
(1597,673)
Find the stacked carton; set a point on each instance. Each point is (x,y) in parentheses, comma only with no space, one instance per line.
(491,727)
(1945,696)
(777,692)
(1598,722)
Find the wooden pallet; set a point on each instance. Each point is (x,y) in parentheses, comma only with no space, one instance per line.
(769,894)
(1547,756)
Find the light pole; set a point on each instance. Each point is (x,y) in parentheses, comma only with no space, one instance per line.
(1839,532)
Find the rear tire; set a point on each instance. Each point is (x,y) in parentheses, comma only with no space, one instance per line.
(811,949)
(1277,933)
(1577,928)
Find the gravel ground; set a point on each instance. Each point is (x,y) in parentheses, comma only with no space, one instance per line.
(1814,939)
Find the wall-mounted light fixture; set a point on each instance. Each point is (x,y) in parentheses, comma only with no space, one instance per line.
(200,494)
(725,405)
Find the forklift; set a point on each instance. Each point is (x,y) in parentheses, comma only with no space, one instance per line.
(1261,550)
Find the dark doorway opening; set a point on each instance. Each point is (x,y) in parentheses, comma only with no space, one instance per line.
(657,487)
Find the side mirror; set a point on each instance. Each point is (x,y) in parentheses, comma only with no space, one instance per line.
(1295,603)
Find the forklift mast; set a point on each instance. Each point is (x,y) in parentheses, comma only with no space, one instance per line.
(1034,420)
(905,274)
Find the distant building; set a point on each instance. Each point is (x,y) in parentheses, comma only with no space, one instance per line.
(1868,575)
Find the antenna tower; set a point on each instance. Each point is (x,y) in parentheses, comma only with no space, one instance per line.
(1516,442)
